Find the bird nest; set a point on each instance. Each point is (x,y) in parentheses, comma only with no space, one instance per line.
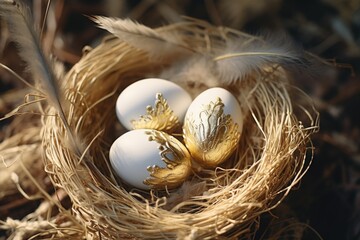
(273,154)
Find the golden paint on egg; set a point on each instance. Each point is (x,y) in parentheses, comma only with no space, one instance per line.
(177,159)
(150,159)
(160,117)
(153,103)
(212,127)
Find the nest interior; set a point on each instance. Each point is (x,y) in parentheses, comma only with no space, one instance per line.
(273,154)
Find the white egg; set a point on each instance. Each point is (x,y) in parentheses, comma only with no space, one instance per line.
(152,103)
(212,126)
(147,158)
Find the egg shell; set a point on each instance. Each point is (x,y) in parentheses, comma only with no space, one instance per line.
(135,151)
(207,136)
(133,101)
(131,154)
(231,105)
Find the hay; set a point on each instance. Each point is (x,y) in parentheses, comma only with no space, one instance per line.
(273,154)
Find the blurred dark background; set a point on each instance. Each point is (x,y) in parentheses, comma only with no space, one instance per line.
(327,202)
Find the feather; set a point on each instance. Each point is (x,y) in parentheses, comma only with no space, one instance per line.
(194,74)
(22,32)
(156,43)
(243,57)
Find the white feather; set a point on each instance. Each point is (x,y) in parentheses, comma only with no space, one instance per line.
(156,43)
(22,32)
(242,58)
(195,74)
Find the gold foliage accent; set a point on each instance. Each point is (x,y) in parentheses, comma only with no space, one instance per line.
(177,160)
(161,117)
(213,138)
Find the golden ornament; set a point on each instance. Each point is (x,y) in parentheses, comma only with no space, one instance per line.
(176,157)
(160,117)
(212,139)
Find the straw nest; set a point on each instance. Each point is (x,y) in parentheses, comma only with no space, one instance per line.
(273,154)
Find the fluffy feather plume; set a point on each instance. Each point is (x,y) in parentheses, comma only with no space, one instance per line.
(156,43)
(243,58)
(22,32)
(195,74)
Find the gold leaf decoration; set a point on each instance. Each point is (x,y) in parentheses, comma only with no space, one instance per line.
(161,117)
(213,137)
(176,157)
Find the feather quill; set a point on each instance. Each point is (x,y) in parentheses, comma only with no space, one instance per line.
(156,43)
(22,32)
(244,57)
